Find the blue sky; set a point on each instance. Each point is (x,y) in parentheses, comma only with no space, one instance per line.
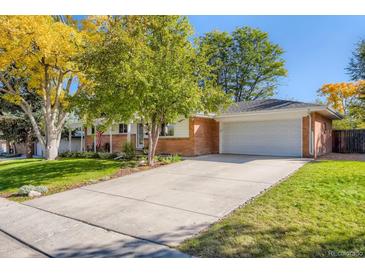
(317,48)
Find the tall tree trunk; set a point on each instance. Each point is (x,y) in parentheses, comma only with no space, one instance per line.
(55,122)
(152,142)
(150,157)
(53,114)
(29,146)
(155,141)
(52,145)
(14,148)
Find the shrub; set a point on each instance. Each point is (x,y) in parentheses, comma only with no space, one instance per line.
(90,155)
(71,154)
(41,189)
(129,150)
(65,154)
(130,164)
(105,155)
(7,155)
(168,159)
(24,190)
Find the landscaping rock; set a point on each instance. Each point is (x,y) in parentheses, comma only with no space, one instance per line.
(34,193)
(142,163)
(26,189)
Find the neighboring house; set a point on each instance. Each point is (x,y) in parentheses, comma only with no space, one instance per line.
(3,146)
(262,127)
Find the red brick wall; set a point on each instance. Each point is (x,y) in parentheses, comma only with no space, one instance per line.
(181,146)
(206,136)
(322,127)
(117,141)
(203,139)
(322,135)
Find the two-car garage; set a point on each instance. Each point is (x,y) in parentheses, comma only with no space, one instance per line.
(268,137)
(275,127)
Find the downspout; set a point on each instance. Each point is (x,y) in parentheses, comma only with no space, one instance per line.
(310,133)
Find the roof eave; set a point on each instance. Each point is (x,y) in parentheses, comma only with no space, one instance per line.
(336,114)
(250,113)
(331,112)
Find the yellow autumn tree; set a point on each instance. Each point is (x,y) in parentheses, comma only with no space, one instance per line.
(341,96)
(41,51)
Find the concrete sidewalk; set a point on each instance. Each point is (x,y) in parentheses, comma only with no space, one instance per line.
(58,236)
(12,248)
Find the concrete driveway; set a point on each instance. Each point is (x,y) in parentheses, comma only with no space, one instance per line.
(161,207)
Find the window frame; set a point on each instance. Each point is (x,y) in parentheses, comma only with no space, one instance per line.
(165,130)
(125,128)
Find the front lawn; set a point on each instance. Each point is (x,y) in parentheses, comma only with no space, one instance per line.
(57,175)
(317,212)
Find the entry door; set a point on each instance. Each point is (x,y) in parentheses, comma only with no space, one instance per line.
(140,136)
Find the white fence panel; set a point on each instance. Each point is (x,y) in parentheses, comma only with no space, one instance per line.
(64,146)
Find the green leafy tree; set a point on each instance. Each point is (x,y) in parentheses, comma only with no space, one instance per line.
(356,70)
(245,63)
(41,51)
(146,69)
(356,67)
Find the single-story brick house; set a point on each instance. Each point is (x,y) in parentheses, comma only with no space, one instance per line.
(262,127)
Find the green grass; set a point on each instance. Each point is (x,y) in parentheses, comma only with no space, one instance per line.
(57,175)
(317,212)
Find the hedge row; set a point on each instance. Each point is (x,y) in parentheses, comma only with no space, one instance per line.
(88,154)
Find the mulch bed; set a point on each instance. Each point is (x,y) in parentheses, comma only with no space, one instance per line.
(131,170)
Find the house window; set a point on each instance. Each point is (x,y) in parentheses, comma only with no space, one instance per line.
(167,130)
(92,130)
(123,128)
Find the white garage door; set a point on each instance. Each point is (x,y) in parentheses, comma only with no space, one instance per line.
(277,138)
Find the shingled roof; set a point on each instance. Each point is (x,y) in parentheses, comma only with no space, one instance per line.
(266,104)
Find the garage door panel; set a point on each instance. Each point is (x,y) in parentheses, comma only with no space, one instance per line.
(279,137)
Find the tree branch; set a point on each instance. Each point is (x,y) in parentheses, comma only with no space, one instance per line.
(61,121)
(56,106)
(28,111)
(7,84)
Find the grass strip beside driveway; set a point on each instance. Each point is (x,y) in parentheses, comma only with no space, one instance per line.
(317,212)
(58,175)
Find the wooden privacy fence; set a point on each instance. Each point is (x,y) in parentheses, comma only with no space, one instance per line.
(348,141)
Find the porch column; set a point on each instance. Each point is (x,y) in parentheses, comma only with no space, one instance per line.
(129,133)
(94,138)
(110,140)
(81,141)
(84,130)
(69,139)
